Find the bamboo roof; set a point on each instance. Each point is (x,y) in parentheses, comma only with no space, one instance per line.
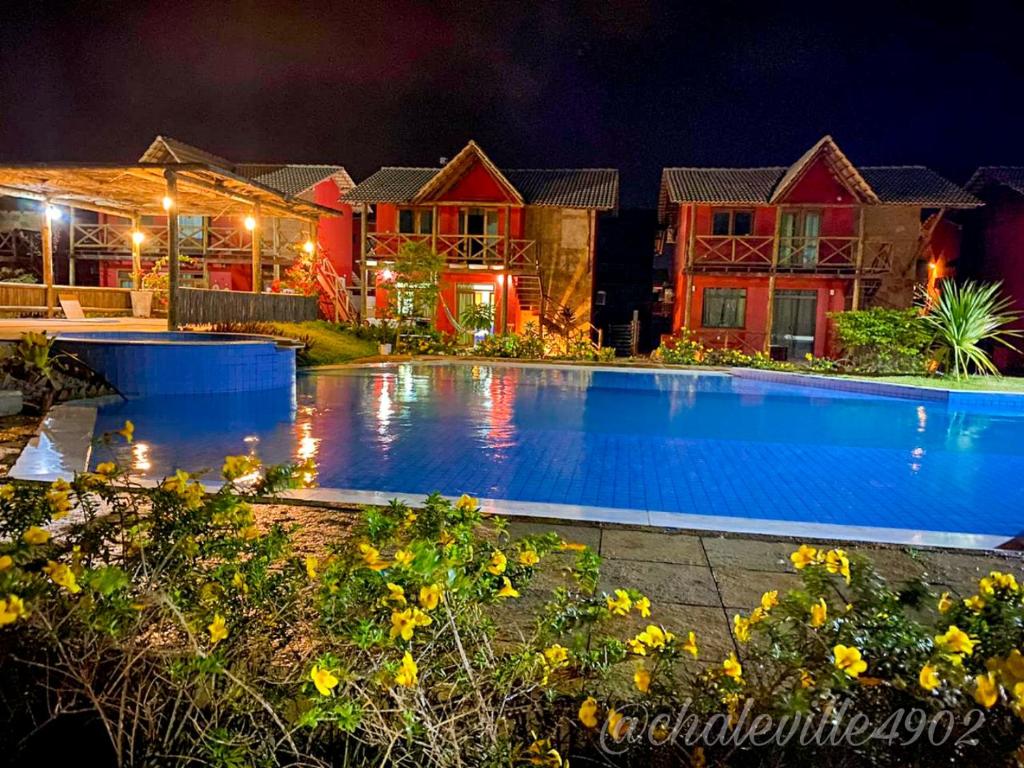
(139,188)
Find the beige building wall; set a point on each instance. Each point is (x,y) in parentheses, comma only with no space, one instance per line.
(565,237)
(900,226)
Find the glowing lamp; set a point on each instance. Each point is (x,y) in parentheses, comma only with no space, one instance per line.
(387,275)
(501,279)
(167,202)
(308,246)
(932,266)
(250,223)
(138,237)
(52,212)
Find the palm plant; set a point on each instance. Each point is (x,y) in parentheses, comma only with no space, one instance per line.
(477,317)
(965,316)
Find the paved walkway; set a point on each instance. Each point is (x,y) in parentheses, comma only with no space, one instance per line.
(12,328)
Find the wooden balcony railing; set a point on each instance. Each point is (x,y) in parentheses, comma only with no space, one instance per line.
(460,251)
(747,342)
(115,241)
(830,255)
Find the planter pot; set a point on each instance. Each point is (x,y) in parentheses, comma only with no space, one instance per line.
(142,303)
(384,349)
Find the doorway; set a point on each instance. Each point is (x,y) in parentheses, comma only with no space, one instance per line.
(794,319)
(480,228)
(474,295)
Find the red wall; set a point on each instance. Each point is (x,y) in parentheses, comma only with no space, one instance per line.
(476,185)
(817,184)
(335,232)
(449,290)
(1003,259)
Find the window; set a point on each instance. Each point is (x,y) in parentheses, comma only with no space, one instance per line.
(413,222)
(735,223)
(798,238)
(724,308)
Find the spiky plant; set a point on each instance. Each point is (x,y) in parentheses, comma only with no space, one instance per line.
(965,316)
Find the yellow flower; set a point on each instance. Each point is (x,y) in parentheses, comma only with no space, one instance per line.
(218,629)
(642,680)
(975,603)
(986,691)
(407,672)
(617,725)
(127,431)
(732,668)
(58,498)
(507,590)
(237,467)
(929,678)
(403,557)
(529,558)
(698,760)
(430,596)
(36,535)
(556,655)
(466,503)
(655,637)
(11,609)
(1014,665)
(588,712)
(249,533)
(770,599)
(6,492)
(955,640)
(445,538)
(620,604)
(190,492)
(238,582)
(106,468)
(741,628)
(62,576)
(803,557)
(6,561)
(690,644)
(806,679)
(404,623)
(945,602)
(498,563)
(395,593)
(836,561)
(643,607)
(637,647)
(311,565)
(542,754)
(324,681)
(819,613)
(848,659)
(997,579)
(572,546)
(371,557)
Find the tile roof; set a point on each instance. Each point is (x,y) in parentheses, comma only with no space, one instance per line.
(894,185)
(1008,176)
(558,187)
(295,179)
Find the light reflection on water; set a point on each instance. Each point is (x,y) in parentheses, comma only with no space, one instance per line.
(708,444)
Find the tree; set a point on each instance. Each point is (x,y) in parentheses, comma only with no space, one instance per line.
(417,271)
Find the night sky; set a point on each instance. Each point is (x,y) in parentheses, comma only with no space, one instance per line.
(630,85)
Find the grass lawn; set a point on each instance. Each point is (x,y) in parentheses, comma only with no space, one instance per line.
(330,345)
(974,383)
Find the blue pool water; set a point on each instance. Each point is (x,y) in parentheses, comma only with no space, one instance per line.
(702,443)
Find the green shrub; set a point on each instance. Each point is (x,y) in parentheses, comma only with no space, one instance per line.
(526,345)
(187,632)
(882,341)
(681,349)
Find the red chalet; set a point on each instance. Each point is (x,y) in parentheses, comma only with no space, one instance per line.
(521,241)
(758,257)
(994,240)
(218,250)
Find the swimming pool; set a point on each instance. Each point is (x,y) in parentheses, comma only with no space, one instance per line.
(667,444)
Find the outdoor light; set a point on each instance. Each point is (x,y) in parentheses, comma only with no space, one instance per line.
(138,237)
(250,223)
(52,212)
(387,275)
(932,266)
(308,246)
(501,279)
(168,202)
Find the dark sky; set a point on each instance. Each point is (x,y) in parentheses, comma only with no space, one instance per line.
(630,85)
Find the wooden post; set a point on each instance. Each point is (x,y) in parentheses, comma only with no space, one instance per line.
(364,299)
(47,253)
(71,246)
(769,316)
(858,261)
(256,238)
(433,229)
(506,276)
(688,265)
(206,254)
(275,244)
(136,252)
(173,268)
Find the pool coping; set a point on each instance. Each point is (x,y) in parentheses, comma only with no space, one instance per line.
(73,425)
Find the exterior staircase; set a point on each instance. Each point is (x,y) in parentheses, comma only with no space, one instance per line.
(335,300)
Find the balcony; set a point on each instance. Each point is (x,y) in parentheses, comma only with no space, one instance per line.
(819,255)
(460,252)
(215,243)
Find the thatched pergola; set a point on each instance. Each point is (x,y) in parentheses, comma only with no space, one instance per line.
(160,189)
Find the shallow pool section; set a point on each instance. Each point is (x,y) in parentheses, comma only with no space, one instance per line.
(666,444)
(147,364)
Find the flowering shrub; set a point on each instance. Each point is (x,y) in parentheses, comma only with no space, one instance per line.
(167,622)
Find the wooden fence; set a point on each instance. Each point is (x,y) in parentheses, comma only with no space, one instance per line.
(31,298)
(201,306)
